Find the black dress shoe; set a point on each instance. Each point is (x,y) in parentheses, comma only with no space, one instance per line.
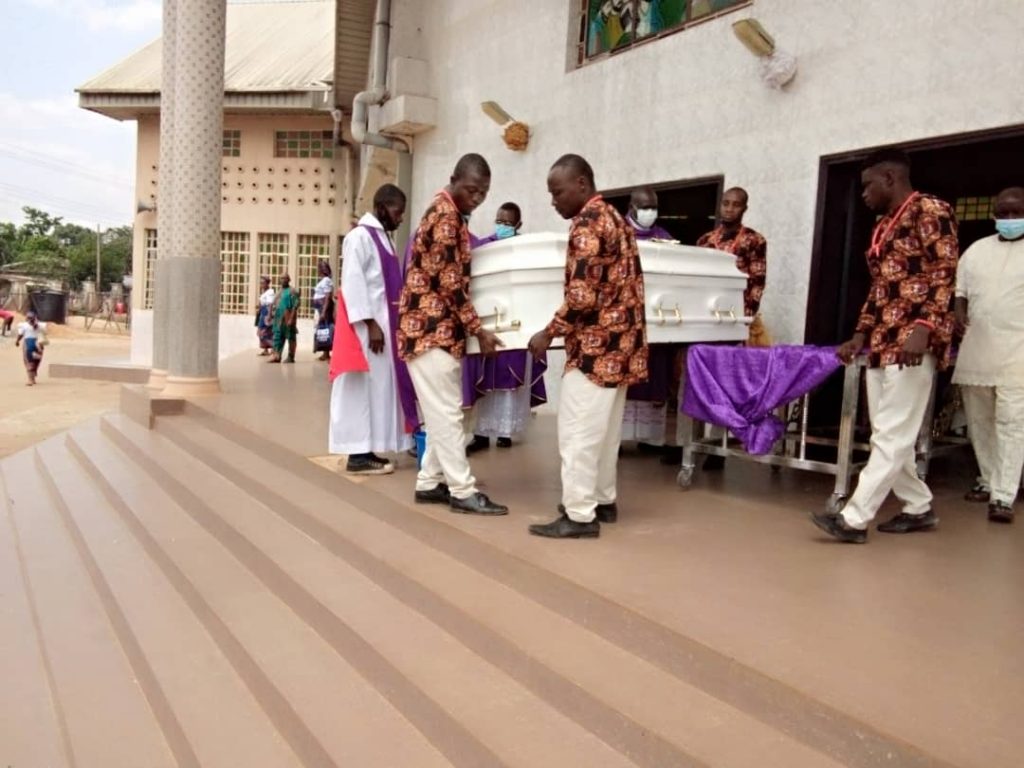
(564,528)
(904,523)
(603,513)
(978,493)
(479,443)
(504,442)
(998,512)
(834,525)
(477,504)
(436,495)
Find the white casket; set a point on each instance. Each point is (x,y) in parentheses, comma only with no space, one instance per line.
(692,294)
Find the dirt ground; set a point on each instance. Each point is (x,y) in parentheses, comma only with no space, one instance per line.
(31,414)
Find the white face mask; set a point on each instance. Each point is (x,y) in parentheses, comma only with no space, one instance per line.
(646,217)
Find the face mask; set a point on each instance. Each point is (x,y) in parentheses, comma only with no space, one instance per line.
(646,217)
(1010,229)
(503,231)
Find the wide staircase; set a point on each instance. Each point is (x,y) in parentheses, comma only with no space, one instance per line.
(194,595)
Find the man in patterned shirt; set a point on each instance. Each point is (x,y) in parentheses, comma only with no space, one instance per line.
(602,321)
(435,316)
(907,323)
(749,247)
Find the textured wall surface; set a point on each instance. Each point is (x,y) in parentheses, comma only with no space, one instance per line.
(692,104)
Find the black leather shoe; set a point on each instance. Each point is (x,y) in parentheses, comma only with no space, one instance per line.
(477,504)
(479,443)
(978,493)
(564,528)
(904,523)
(998,512)
(436,495)
(504,442)
(603,513)
(836,527)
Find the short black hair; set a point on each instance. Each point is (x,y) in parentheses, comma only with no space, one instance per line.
(513,209)
(387,194)
(887,156)
(576,164)
(471,163)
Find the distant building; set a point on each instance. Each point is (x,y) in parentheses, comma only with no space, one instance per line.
(288,186)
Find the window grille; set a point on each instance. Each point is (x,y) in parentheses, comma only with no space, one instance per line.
(273,250)
(232,144)
(312,248)
(304,144)
(234,273)
(150,268)
(974,208)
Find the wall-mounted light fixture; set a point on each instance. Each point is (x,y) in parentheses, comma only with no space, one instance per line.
(516,134)
(778,67)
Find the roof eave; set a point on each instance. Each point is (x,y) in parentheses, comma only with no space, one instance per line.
(126,105)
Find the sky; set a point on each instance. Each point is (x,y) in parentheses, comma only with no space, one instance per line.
(53,155)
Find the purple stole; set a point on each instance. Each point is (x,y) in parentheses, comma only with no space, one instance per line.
(392,272)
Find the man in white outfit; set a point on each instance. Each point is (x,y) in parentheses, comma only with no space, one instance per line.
(989,304)
(367,413)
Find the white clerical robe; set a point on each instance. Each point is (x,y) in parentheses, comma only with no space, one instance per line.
(366,414)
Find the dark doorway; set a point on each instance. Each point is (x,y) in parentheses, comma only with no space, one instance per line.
(685,208)
(966,170)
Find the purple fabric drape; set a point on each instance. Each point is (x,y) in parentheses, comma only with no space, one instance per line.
(481,375)
(738,387)
(392,272)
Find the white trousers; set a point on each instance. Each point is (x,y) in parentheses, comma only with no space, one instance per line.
(437,377)
(589,431)
(995,423)
(897,401)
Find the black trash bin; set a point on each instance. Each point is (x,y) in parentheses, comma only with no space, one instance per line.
(49,306)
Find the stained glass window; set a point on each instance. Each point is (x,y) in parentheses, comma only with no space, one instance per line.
(304,144)
(611,25)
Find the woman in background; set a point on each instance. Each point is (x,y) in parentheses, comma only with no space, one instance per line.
(265,317)
(33,333)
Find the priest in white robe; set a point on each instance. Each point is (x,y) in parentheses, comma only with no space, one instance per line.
(372,403)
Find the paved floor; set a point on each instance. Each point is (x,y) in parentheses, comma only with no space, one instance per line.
(917,636)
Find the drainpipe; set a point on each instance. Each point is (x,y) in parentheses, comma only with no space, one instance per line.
(376,96)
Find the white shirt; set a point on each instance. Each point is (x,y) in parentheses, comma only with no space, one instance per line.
(990,276)
(267,297)
(323,288)
(26,331)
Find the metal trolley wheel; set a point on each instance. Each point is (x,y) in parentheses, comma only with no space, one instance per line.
(685,477)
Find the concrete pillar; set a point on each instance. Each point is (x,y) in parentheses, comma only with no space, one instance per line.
(193,270)
(164,209)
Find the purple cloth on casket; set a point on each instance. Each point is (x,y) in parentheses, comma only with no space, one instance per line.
(739,387)
(660,361)
(481,375)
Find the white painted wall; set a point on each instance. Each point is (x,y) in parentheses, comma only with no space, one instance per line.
(691,104)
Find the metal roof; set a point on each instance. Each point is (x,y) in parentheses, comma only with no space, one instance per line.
(270,48)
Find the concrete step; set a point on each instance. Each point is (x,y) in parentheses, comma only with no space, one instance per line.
(656,719)
(320,704)
(472,710)
(210,716)
(101,705)
(34,728)
(458,580)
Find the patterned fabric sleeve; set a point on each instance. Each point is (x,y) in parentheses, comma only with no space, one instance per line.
(755,266)
(868,313)
(581,282)
(938,232)
(446,237)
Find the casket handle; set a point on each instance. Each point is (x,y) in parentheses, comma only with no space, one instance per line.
(679,315)
(499,326)
(660,313)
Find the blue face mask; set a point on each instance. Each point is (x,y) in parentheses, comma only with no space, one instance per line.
(1010,229)
(503,231)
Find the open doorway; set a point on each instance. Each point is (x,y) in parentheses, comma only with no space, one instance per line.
(686,209)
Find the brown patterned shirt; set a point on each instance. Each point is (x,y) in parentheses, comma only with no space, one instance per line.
(751,252)
(602,316)
(435,311)
(912,261)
